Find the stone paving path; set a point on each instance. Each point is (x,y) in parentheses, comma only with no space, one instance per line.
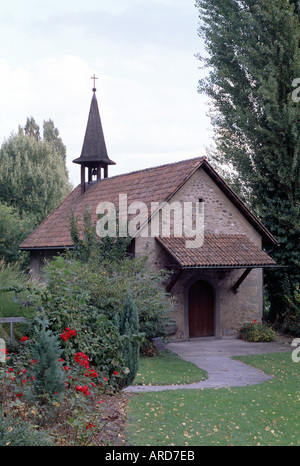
(215,357)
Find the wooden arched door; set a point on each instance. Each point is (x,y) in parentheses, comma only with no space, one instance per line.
(201,309)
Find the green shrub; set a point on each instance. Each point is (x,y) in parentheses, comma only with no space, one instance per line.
(18,432)
(48,376)
(66,304)
(108,270)
(256,331)
(12,279)
(77,294)
(130,327)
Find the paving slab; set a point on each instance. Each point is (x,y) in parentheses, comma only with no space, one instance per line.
(215,357)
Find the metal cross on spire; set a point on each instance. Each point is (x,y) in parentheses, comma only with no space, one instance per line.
(94,78)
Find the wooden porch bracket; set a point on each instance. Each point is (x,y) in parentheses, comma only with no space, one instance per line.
(240,280)
(174,279)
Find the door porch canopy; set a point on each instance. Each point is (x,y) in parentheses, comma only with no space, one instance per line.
(217,252)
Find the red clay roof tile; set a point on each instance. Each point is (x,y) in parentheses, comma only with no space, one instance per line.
(157,184)
(217,251)
(150,185)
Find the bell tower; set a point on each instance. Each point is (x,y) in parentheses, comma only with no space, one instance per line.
(94,153)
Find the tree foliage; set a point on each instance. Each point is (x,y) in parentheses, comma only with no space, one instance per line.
(33,175)
(89,247)
(253,56)
(13,230)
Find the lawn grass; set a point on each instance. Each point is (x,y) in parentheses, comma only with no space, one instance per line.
(167,369)
(264,414)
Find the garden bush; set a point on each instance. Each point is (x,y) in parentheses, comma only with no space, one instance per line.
(130,326)
(256,331)
(65,303)
(19,433)
(108,270)
(73,416)
(79,296)
(47,375)
(12,279)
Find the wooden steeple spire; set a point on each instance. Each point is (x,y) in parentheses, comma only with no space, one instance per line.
(94,153)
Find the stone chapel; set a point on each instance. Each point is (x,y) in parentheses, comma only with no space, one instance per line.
(219,284)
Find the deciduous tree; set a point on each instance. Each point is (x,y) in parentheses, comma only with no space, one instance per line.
(33,175)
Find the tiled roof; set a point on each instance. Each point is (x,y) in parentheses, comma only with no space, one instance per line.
(156,184)
(217,251)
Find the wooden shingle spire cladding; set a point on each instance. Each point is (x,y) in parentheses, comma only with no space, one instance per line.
(94,153)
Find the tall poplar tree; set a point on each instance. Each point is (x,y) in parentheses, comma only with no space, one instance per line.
(253,58)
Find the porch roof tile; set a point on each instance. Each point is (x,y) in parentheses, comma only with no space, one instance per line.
(217,251)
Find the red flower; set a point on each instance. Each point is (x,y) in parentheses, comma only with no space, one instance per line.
(89,426)
(19,395)
(24,339)
(68,333)
(91,373)
(82,359)
(84,389)
(116,373)
(67,368)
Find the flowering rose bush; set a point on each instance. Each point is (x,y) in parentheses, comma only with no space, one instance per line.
(68,333)
(82,359)
(256,331)
(76,419)
(82,327)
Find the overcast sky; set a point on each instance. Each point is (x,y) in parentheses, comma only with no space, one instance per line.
(143,52)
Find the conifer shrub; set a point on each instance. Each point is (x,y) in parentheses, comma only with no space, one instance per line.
(47,374)
(130,331)
(19,433)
